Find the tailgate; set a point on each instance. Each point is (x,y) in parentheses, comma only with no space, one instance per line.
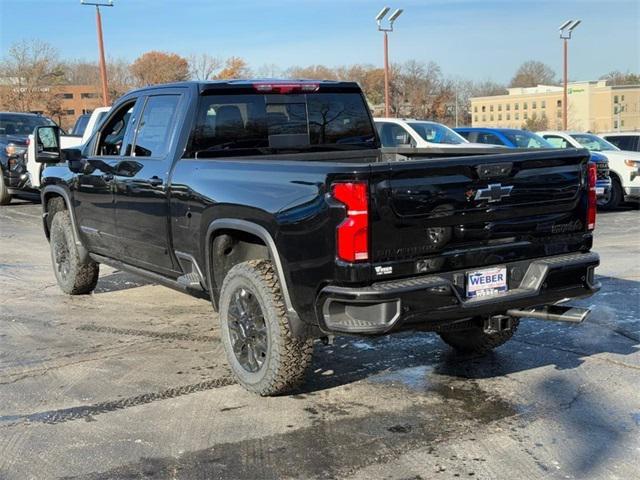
(439,214)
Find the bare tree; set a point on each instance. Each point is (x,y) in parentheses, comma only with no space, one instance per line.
(203,66)
(159,67)
(533,73)
(269,70)
(535,123)
(621,78)
(30,68)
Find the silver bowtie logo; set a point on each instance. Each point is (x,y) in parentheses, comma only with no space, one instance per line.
(494,192)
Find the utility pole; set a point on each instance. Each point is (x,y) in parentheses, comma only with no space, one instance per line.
(103,65)
(565,34)
(394,16)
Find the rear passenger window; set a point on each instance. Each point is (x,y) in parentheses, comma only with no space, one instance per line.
(623,142)
(557,142)
(489,138)
(154,130)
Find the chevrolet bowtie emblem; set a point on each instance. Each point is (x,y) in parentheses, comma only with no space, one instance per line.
(493,193)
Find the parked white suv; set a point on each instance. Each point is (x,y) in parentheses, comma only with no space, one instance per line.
(629,141)
(624,166)
(406,132)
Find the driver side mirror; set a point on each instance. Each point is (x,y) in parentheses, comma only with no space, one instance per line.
(47,144)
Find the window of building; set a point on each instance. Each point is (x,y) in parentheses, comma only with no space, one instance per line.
(499,116)
(500,107)
(622,98)
(517,116)
(491,108)
(475,118)
(508,107)
(475,109)
(484,108)
(559,103)
(154,130)
(559,113)
(525,116)
(533,105)
(543,104)
(615,124)
(491,117)
(508,116)
(88,95)
(516,106)
(70,112)
(615,99)
(484,118)
(65,96)
(524,105)
(622,123)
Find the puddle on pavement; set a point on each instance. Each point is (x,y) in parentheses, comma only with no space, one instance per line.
(466,393)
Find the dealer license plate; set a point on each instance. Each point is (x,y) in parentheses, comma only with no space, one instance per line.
(486,282)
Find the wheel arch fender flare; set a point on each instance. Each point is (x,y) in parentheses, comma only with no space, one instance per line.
(296,325)
(56,190)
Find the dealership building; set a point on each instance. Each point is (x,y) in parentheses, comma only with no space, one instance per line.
(592,106)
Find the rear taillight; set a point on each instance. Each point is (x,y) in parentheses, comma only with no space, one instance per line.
(353,233)
(592,203)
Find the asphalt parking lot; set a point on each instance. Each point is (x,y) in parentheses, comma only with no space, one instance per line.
(131,382)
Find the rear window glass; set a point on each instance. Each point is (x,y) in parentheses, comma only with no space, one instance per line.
(255,124)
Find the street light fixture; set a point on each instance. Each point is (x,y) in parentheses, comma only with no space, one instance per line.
(103,66)
(566,29)
(389,28)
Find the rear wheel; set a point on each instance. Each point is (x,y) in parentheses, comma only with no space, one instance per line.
(263,354)
(5,197)
(614,198)
(74,276)
(476,340)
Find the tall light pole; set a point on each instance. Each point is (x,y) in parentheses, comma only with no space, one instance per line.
(565,34)
(389,28)
(103,65)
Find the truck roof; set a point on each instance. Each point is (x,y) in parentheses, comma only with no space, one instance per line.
(242,84)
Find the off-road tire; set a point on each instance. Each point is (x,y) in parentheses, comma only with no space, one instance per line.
(475,340)
(287,357)
(616,196)
(74,276)
(5,197)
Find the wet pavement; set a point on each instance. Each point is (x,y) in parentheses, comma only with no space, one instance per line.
(131,382)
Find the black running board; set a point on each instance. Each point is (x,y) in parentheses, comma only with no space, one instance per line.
(151,276)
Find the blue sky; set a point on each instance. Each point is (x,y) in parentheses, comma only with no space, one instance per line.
(474,39)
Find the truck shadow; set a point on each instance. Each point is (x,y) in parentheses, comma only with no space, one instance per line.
(117,281)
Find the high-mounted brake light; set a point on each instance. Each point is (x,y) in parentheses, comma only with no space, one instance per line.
(353,233)
(289,87)
(592,203)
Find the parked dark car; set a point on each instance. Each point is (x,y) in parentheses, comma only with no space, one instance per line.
(514,138)
(15,129)
(274,200)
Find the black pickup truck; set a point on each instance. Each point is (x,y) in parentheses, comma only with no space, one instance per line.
(274,200)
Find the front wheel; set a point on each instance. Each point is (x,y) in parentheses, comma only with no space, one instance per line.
(74,275)
(476,340)
(614,197)
(5,197)
(264,356)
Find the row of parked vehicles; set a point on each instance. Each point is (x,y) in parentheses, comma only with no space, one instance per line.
(618,178)
(278,202)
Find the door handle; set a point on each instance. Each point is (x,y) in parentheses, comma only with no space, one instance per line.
(155,181)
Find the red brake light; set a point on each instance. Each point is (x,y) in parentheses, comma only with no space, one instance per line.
(289,87)
(592,177)
(353,232)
